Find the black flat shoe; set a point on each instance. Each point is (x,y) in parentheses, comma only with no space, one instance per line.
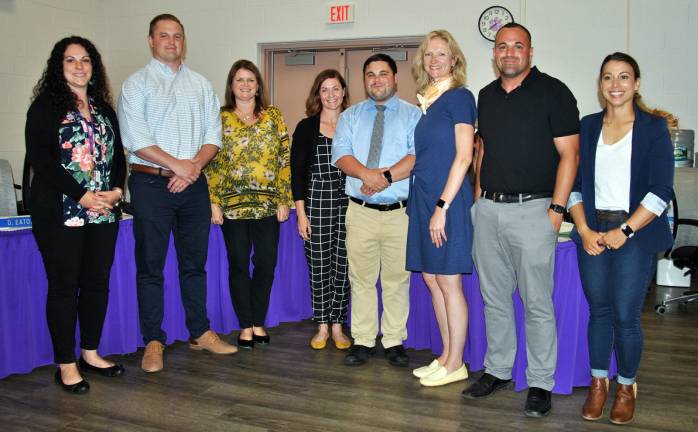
(110,372)
(358,355)
(245,344)
(396,356)
(538,402)
(262,340)
(78,388)
(485,386)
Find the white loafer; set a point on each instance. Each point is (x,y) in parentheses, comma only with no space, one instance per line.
(429,369)
(442,377)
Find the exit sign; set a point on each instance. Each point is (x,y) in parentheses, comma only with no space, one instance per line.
(341,13)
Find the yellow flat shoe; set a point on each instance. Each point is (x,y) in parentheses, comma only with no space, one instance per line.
(342,345)
(318,343)
(427,370)
(442,377)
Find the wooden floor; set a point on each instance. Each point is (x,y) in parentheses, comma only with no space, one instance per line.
(289,387)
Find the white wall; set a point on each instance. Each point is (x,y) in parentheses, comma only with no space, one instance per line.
(28,30)
(570,39)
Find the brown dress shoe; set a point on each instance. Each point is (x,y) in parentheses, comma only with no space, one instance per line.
(623,409)
(152,357)
(210,341)
(596,398)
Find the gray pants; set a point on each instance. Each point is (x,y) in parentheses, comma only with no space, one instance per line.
(514,245)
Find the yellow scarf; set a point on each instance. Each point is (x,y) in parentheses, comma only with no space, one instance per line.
(432,93)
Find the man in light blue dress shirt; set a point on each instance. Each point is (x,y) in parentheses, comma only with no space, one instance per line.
(171,127)
(374,146)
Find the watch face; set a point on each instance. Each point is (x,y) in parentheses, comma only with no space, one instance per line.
(492,19)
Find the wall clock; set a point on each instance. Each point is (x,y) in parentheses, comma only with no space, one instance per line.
(492,19)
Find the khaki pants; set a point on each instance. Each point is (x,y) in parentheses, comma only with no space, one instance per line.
(377,243)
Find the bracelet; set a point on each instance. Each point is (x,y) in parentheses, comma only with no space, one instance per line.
(121,196)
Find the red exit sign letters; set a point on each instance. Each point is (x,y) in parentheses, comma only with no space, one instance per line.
(341,13)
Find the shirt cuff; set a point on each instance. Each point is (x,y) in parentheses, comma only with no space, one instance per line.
(338,153)
(575,198)
(654,204)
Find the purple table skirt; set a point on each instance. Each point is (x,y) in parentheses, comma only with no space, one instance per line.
(25,343)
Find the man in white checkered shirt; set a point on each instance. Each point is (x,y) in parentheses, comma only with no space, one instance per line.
(170,124)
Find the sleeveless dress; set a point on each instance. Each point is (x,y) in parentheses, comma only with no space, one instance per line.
(435,150)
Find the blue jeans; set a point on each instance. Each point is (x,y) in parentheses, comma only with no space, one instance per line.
(615,284)
(187,215)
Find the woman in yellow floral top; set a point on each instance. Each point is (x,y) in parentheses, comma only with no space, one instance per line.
(250,186)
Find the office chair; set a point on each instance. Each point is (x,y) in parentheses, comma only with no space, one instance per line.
(683,257)
(8,198)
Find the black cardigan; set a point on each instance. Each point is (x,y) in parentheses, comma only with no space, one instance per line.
(303,149)
(50,179)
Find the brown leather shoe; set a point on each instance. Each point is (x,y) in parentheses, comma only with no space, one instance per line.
(210,341)
(596,398)
(152,357)
(623,409)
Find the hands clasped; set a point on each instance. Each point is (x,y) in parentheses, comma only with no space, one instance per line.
(186,171)
(374,181)
(595,243)
(101,201)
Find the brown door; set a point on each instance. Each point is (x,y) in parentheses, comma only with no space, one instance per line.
(290,82)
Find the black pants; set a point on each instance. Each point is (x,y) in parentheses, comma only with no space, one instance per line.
(187,216)
(78,261)
(250,296)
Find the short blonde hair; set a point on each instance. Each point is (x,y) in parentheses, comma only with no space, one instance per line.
(422,78)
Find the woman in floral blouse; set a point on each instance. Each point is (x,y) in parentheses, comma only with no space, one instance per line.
(250,185)
(75,151)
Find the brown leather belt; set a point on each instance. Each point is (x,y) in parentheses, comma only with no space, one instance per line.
(162,172)
(612,216)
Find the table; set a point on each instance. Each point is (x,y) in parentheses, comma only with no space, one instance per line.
(25,343)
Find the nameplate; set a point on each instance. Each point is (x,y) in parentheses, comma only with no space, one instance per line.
(15,222)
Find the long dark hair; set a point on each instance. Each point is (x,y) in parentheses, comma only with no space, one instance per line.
(313,105)
(672,121)
(52,82)
(260,99)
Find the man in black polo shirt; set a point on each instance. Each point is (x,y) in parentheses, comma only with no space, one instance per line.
(527,163)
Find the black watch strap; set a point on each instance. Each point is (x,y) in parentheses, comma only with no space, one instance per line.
(557,208)
(388,176)
(627,230)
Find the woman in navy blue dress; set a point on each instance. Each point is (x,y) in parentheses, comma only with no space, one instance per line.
(440,233)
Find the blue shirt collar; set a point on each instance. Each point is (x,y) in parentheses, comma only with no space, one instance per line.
(391,104)
(162,67)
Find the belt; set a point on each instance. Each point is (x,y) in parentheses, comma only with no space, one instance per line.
(613,216)
(513,197)
(380,207)
(162,172)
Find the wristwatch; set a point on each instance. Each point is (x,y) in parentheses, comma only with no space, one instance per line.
(388,176)
(625,229)
(557,208)
(443,204)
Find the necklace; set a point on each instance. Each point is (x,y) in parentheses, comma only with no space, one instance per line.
(245,117)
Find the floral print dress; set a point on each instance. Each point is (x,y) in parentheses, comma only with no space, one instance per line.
(251,174)
(86,151)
